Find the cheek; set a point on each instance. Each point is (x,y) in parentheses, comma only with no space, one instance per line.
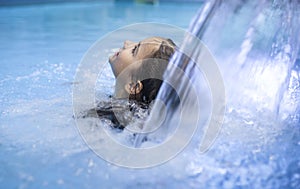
(123,58)
(120,62)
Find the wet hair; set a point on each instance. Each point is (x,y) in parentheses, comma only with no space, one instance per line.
(154,66)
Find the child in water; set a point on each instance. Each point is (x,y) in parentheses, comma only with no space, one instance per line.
(143,65)
(138,68)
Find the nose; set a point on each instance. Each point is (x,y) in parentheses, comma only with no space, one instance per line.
(127,44)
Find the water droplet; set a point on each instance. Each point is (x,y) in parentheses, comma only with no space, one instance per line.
(91,163)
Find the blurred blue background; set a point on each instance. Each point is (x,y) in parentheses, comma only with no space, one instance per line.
(43,43)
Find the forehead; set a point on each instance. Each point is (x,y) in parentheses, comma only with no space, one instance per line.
(148,46)
(152,40)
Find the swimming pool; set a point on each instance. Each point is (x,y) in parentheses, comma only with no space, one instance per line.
(41,47)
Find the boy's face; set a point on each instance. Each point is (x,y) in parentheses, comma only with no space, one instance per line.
(133,52)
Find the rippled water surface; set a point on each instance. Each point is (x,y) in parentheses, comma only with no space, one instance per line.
(41,47)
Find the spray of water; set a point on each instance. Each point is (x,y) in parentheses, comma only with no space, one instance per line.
(256,44)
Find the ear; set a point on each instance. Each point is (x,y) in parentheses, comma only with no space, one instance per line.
(134,87)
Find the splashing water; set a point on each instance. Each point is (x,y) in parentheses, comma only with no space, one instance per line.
(256,46)
(257,60)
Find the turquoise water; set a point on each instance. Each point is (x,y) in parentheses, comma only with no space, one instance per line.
(41,47)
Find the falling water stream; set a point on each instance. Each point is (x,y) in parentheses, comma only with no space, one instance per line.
(256,46)
(228,112)
(253,44)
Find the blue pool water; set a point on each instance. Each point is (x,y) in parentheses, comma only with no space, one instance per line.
(41,47)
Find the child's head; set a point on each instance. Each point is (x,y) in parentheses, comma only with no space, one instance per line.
(139,67)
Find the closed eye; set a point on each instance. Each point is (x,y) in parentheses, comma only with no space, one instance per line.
(134,49)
